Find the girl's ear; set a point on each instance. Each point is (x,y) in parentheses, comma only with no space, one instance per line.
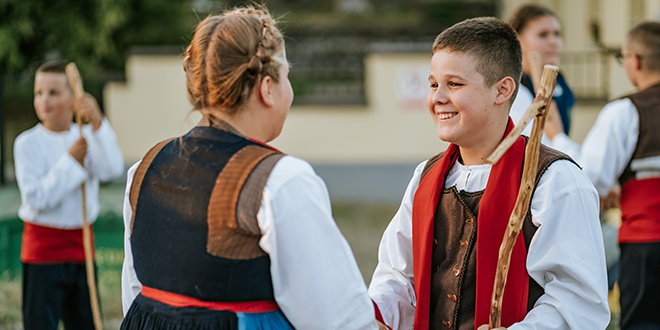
(266,91)
(505,88)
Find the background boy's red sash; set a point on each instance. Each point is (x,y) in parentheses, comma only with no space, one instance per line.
(494,212)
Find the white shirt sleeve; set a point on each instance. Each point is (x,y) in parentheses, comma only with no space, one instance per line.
(392,285)
(609,145)
(130,285)
(104,159)
(566,255)
(316,281)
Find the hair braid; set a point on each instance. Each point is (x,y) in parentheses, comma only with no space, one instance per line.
(229,55)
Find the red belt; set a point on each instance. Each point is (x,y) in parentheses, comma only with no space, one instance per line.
(178,300)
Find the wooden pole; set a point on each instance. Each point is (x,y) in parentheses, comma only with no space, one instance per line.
(76,85)
(540,110)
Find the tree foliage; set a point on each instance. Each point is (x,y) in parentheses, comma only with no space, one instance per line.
(94,33)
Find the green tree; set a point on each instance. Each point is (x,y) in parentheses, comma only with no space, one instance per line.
(94,33)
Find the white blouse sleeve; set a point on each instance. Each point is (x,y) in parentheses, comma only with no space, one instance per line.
(130,285)
(392,285)
(316,280)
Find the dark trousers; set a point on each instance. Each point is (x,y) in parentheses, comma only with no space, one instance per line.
(639,281)
(56,292)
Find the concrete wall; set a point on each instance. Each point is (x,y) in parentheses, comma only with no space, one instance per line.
(393,127)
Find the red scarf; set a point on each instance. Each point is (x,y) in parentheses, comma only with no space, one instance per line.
(494,212)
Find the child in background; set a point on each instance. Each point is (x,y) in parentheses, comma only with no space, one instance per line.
(438,256)
(48,161)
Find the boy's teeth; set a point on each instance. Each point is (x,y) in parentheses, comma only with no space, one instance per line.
(446,115)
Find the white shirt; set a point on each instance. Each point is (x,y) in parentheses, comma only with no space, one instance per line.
(609,145)
(316,281)
(566,255)
(523,100)
(50,179)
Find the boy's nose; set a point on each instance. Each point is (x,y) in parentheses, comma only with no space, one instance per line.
(439,97)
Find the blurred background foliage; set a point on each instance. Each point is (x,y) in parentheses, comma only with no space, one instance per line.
(326,42)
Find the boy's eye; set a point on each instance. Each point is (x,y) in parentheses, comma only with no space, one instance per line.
(434,85)
(454,84)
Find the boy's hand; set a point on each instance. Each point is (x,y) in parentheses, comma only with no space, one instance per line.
(485,327)
(612,200)
(79,150)
(90,111)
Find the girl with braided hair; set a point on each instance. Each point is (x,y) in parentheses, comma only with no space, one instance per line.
(222,230)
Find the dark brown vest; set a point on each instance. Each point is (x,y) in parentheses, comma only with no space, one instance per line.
(647,103)
(453,283)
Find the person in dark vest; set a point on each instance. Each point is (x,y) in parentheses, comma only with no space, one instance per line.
(623,147)
(222,230)
(438,256)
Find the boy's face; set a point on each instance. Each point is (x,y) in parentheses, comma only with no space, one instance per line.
(53,100)
(461,105)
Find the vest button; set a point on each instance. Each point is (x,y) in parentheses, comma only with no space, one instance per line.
(456,271)
(452,297)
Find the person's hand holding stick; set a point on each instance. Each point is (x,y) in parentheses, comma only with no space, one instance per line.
(78,93)
(537,110)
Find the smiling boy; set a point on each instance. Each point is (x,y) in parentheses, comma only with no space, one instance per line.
(438,256)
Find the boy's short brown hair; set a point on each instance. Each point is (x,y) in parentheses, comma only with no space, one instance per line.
(492,43)
(55,66)
(644,40)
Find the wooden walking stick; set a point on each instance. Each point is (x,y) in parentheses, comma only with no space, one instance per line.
(76,85)
(538,110)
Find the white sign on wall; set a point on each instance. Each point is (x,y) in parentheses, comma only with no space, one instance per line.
(412,86)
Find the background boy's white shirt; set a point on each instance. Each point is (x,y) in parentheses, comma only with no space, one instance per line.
(316,281)
(566,256)
(50,178)
(609,145)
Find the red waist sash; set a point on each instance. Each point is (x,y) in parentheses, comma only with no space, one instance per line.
(43,245)
(640,211)
(179,300)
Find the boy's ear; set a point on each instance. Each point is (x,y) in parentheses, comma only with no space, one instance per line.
(505,88)
(266,91)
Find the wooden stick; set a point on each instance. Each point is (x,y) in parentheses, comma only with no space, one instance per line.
(76,85)
(543,96)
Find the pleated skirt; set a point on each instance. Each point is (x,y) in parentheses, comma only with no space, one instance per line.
(146,314)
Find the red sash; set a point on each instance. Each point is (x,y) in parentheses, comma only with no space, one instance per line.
(494,212)
(640,211)
(44,245)
(179,300)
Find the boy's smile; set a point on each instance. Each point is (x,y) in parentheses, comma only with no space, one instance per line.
(53,101)
(465,111)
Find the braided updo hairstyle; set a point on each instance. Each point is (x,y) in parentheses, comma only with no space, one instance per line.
(228,55)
